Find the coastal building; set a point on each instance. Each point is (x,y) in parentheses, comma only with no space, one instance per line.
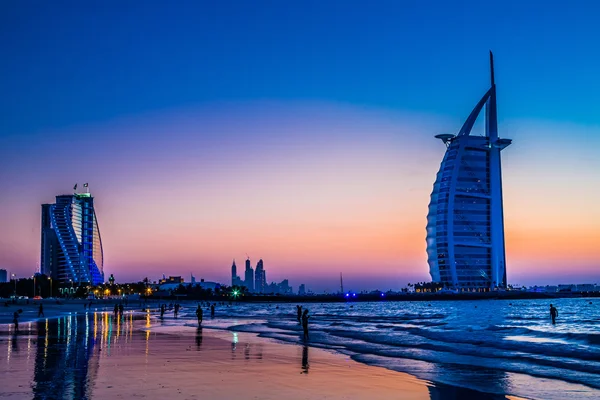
(301,290)
(3,276)
(465,227)
(235,279)
(260,278)
(71,247)
(171,279)
(249,277)
(280,288)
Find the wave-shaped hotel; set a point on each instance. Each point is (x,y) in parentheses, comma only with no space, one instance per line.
(465,227)
(71,243)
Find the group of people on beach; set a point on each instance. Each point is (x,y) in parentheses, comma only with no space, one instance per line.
(301,314)
(118,310)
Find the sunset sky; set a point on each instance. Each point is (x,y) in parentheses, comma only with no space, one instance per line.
(301,133)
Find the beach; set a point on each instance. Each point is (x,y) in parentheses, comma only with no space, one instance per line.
(247,351)
(94,355)
(140,357)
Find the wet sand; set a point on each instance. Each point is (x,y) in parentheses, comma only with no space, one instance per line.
(95,356)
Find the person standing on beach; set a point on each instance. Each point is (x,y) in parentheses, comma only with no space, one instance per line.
(305,318)
(212,310)
(16,320)
(121,309)
(199,315)
(176,310)
(41,310)
(553,314)
(299,312)
(162,310)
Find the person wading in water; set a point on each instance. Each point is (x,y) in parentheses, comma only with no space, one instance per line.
(305,318)
(553,313)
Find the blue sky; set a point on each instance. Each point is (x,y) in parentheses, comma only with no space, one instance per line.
(70,62)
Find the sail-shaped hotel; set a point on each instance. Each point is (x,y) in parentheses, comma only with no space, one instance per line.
(465,227)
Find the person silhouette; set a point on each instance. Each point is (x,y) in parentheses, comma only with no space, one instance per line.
(199,314)
(41,310)
(16,320)
(305,318)
(212,310)
(553,313)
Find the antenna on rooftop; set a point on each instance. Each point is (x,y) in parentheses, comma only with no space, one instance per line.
(492,67)
(341,283)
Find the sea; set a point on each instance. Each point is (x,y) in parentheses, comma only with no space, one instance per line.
(493,346)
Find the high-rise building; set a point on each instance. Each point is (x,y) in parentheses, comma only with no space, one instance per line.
(249,277)
(71,248)
(465,227)
(260,278)
(235,279)
(301,290)
(3,276)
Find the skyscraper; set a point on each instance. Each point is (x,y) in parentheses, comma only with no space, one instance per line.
(249,277)
(71,248)
(235,279)
(260,278)
(465,227)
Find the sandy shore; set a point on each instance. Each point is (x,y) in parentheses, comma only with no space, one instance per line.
(95,356)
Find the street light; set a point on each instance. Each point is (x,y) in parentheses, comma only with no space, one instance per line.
(15,278)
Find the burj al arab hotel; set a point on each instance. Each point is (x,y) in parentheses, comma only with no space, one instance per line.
(465,223)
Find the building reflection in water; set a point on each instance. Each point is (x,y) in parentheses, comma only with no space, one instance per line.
(65,364)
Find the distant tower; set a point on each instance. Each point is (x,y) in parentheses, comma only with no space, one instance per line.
(234,277)
(249,277)
(260,278)
(341,283)
(302,290)
(465,224)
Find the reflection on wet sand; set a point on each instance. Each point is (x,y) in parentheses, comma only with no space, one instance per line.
(198,337)
(305,364)
(65,362)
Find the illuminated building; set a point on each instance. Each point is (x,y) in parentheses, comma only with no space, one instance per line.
(465,228)
(71,247)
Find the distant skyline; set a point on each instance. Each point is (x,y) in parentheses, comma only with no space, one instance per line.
(302,134)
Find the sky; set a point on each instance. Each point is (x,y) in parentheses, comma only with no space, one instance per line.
(299,132)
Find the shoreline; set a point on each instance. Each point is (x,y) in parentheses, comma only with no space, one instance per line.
(148,357)
(360,335)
